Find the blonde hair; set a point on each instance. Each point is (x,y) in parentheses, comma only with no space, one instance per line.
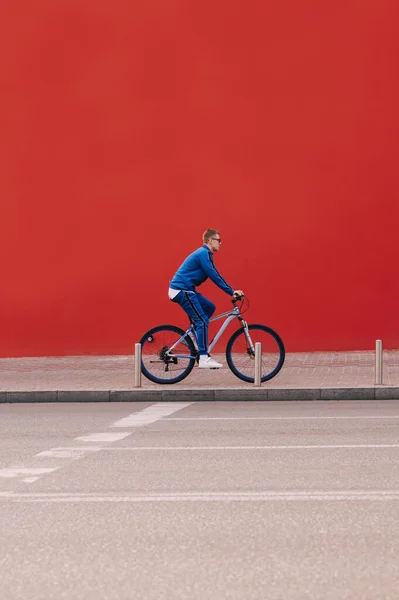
(208,234)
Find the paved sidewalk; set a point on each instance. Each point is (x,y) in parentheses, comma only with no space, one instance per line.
(304,376)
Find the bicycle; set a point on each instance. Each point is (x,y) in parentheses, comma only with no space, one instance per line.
(164,357)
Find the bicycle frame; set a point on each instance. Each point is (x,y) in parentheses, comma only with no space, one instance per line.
(231,315)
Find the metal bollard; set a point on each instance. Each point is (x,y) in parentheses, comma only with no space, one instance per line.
(137,365)
(378,362)
(258,363)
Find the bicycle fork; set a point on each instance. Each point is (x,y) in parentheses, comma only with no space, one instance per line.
(251,347)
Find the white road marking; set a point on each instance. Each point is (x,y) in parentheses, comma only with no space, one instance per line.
(12,472)
(267,496)
(320,446)
(73,452)
(151,414)
(103,437)
(148,415)
(277,418)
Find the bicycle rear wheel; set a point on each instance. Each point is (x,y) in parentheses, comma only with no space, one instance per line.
(156,365)
(241,358)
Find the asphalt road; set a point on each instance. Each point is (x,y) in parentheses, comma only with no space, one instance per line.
(241,501)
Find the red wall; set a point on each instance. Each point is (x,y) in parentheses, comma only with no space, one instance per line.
(128,127)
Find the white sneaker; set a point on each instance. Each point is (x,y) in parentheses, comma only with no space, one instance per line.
(207,362)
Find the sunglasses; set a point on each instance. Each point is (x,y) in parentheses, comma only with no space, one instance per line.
(217,240)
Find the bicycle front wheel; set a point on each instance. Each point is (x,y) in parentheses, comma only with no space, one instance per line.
(162,365)
(240,355)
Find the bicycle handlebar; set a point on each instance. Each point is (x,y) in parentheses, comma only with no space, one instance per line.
(237,298)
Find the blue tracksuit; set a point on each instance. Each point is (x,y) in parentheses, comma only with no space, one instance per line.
(196,269)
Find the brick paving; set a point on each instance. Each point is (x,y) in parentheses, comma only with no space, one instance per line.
(301,370)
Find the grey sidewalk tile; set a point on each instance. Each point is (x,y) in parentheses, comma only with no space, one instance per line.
(294,394)
(136,395)
(365,393)
(250,393)
(83,396)
(386,393)
(188,395)
(45,396)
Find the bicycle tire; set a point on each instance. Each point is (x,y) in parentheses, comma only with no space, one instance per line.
(235,360)
(153,344)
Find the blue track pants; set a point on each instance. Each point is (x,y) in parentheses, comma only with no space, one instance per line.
(199,310)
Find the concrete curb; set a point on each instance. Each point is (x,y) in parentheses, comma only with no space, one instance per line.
(202,394)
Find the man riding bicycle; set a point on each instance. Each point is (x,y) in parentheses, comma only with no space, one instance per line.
(196,269)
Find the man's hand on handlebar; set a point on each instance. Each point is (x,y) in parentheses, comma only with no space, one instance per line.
(238,295)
